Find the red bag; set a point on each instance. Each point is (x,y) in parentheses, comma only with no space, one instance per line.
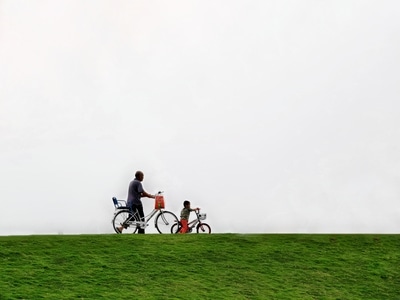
(159,203)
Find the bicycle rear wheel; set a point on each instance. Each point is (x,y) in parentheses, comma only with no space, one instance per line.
(165,220)
(176,228)
(203,228)
(121,222)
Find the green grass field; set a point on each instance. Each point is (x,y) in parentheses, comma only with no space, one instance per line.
(216,266)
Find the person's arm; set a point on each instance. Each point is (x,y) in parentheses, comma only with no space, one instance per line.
(193,209)
(145,194)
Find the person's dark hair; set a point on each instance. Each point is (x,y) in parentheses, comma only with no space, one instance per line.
(138,174)
(186,202)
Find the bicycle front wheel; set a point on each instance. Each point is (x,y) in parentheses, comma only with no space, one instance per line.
(165,220)
(203,228)
(121,222)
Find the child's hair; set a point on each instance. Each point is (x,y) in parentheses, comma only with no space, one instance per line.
(186,202)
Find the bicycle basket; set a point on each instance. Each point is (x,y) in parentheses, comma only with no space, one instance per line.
(202,216)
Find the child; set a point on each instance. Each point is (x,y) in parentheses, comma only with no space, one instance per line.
(185,213)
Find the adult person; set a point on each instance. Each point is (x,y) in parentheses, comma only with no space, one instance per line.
(135,193)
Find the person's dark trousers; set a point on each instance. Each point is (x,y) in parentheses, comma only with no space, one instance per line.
(139,209)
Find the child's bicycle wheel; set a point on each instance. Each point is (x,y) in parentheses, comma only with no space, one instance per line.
(176,228)
(203,228)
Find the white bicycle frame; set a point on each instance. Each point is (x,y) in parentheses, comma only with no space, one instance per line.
(192,224)
(147,218)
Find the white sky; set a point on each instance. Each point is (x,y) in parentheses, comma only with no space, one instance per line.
(272,116)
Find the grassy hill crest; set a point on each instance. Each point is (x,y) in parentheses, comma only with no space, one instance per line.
(216,266)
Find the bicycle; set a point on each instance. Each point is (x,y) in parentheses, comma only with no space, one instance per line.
(200,226)
(130,220)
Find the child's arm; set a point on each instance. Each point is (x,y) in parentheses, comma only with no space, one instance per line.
(193,209)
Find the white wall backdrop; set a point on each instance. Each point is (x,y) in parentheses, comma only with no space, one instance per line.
(272,116)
